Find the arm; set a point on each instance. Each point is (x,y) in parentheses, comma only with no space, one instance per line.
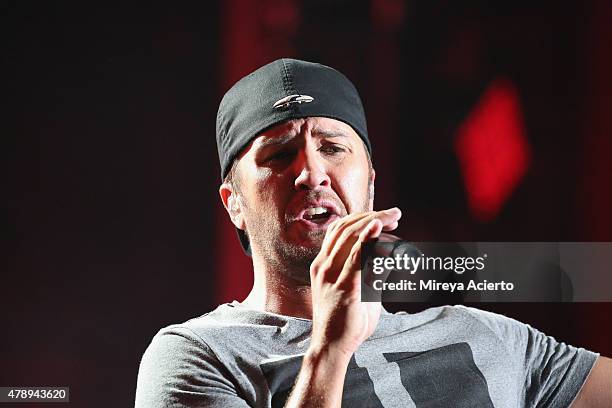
(320,381)
(179,371)
(341,322)
(597,390)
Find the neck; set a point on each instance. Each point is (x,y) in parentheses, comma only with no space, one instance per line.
(276,293)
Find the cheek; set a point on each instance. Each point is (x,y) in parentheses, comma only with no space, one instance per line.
(267,189)
(353,188)
(263,178)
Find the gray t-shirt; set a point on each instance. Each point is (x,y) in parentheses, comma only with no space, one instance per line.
(451,356)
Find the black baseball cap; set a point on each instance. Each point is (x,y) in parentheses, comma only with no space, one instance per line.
(282,90)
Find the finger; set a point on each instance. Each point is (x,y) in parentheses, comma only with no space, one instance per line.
(352,266)
(329,241)
(390,227)
(338,242)
(343,243)
(346,235)
(388,218)
(357,274)
(336,228)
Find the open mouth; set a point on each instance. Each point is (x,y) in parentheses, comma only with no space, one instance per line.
(318,215)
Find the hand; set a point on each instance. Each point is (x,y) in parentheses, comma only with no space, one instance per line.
(341,322)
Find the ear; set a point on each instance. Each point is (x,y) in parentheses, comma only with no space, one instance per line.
(233,205)
(371,187)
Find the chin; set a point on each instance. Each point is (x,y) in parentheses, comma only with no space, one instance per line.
(308,239)
(295,260)
(301,253)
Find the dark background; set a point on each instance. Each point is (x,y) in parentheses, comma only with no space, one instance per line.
(113,227)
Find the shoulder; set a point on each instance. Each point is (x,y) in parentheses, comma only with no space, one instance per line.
(503,327)
(468,319)
(183,352)
(175,348)
(219,334)
(186,340)
(460,313)
(180,365)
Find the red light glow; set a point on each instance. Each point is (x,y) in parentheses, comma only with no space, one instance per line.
(492,149)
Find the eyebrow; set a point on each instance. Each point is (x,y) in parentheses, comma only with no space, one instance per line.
(286,138)
(272,141)
(329,133)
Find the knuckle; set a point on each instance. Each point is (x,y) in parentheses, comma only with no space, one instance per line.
(320,268)
(314,268)
(333,225)
(319,265)
(341,225)
(338,223)
(346,287)
(344,222)
(350,231)
(327,265)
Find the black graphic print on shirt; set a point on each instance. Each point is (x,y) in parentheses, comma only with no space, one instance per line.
(441,377)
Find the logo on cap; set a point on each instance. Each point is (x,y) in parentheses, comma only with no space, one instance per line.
(292,99)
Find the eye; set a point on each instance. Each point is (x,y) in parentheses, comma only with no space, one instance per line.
(280,155)
(332,149)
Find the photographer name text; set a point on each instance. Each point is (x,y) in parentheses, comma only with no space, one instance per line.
(433,285)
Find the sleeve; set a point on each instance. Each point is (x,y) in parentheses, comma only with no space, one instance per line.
(554,372)
(179,370)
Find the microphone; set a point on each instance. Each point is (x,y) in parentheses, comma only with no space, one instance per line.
(389,245)
(386,246)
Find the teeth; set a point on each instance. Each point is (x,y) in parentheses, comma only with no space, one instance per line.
(315,210)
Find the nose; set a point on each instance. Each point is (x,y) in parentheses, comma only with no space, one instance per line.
(310,171)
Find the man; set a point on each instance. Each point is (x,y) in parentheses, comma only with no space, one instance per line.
(298,184)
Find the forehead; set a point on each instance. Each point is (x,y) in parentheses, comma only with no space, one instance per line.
(314,126)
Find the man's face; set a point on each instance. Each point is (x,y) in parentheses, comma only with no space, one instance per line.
(292,181)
